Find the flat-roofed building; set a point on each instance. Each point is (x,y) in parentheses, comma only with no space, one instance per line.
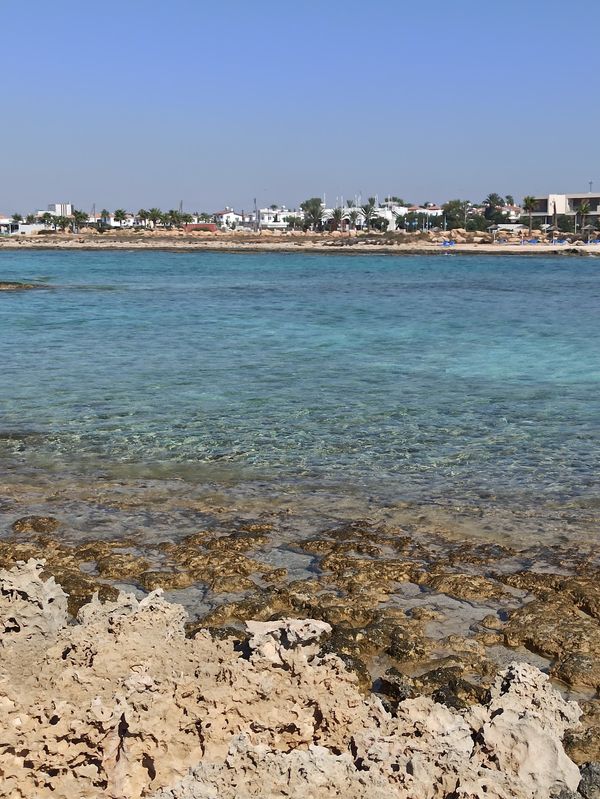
(566,205)
(60,209)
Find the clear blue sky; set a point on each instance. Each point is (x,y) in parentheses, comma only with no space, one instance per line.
(149,102)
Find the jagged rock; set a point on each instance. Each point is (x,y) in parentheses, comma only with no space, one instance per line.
(121,703)
(29,606)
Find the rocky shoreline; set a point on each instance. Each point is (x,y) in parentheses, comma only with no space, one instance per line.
(415,608)
(125,701)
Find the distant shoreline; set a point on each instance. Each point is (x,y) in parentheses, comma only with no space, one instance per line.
(333,246)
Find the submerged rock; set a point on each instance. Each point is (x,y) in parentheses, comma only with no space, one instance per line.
(36,524)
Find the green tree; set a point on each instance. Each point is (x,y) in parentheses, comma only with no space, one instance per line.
(293,222)
(104,219)
(155,216)
(79,219)
(62,222)
(381,223)
(456,213)
(313,213)
(17,218)
(30,219)
(529,207)
(48,220)
(510,200)
(368,212)
(492,203)
(400,220)
(120,215)
(142,215)
(336,219)
(353,217)
(584,210)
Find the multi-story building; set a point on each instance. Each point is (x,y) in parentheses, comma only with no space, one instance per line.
(60,209)
(565,204)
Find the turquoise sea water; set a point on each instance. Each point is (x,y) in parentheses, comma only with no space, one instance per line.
(405,377)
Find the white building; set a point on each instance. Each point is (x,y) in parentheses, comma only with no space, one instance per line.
(111,222)
(7,226)
(276,218)
(60,209)
(565,204)
(228,219)
(11,228)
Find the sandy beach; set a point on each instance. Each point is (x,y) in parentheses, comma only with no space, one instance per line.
(465,244)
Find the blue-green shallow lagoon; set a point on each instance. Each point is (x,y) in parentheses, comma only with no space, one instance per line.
(418,378)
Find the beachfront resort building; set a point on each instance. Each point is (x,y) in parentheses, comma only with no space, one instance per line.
(553,205)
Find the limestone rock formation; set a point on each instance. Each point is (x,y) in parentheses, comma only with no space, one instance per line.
(29,606)
(122,704)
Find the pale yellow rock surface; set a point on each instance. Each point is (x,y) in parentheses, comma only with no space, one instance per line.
(121,705)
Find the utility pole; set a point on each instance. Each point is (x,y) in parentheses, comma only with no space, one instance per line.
(591,183)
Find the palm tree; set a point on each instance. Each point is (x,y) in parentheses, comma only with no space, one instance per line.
(529,206)
(17,218)
(120,216)
(174,218)
(143,216)
(48,220)
(313,212)
(353,218)
(584,210)
(400,220)
(62,222)
(491,202)
(30,219)
(155,215)
(368,212)
(336,219)
(79,219)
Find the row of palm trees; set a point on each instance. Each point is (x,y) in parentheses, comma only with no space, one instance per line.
(314,215)
(78,219)
(152,217)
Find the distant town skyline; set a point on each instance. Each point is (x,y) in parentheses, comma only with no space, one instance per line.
(212,106)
